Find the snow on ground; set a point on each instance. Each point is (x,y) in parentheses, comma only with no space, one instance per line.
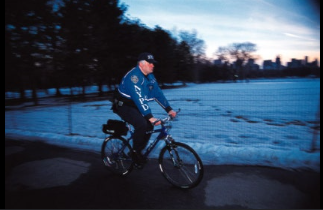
(262,122)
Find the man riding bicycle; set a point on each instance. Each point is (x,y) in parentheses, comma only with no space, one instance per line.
(137,88)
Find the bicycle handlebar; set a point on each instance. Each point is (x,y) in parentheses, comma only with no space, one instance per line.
(167,119)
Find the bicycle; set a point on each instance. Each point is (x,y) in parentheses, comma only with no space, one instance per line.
(178,162)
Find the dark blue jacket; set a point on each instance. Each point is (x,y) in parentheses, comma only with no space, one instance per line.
(141,89)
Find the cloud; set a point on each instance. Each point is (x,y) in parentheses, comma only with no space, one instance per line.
(299,37)
(273,27)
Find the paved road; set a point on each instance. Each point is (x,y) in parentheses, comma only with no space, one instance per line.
(39,175)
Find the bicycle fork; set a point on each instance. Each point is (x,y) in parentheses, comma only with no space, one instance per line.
(173,152)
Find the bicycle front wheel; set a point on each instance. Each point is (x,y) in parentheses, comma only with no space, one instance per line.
(115,153)
(181,165)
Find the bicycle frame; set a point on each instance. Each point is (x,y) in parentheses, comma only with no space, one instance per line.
(163,134)
(178,162)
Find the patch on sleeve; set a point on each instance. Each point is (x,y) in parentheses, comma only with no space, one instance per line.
(134,79)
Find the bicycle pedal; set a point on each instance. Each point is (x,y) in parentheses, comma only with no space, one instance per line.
(138,166)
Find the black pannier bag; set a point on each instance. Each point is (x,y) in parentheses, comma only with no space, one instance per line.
(115,127)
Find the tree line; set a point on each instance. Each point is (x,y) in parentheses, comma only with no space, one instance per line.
(76,43)
(72,43)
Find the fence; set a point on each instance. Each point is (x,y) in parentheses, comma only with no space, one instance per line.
(277,115)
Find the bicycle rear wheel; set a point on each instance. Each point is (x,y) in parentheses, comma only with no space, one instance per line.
(115,153)
(181,165)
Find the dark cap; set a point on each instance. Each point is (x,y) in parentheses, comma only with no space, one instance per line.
(147,57)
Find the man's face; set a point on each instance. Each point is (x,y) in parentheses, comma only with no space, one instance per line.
(146,67)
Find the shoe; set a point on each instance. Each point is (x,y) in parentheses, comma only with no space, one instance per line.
(138,158)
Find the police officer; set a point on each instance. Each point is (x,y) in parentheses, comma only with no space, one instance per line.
(137,88)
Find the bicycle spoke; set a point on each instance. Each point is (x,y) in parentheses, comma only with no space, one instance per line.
(178,162)
(113,153)
(181,165)
(185,174)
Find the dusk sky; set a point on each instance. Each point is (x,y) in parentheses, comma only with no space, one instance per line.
(289,28)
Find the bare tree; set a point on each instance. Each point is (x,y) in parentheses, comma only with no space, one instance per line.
(238,52)
(197,46)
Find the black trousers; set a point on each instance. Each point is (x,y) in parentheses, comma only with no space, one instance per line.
(140,124)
